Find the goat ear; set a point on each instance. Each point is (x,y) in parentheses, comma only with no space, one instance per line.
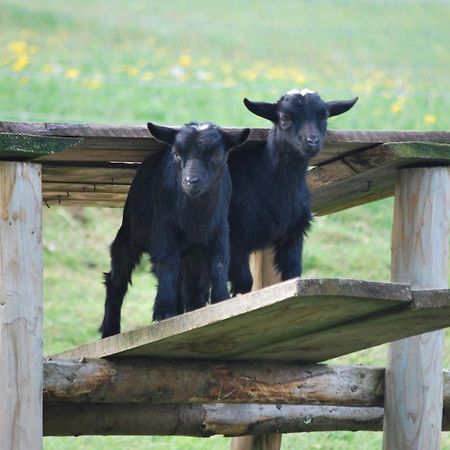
(163,134)
(262,109)
(340,106)
(235,137)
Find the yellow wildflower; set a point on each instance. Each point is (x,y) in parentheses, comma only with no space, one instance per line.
(396,107)
(72,73)
(92,83)
(429,119)
(185,60)
(298,77)
(249,75)
(130,70)
(20,63)
(17,46)
(47,69)
(147,76)
(227,69)
(275,73)
(204,61)
(229,82)
(33,50)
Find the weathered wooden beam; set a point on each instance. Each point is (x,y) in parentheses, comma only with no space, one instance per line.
(264,274)
(419,255)
(158,381)
(367,175)
(22,147)
(20,306)
(72,419)
(128,380)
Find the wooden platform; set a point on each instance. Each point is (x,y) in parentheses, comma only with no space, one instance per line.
(92,165)
(301,320)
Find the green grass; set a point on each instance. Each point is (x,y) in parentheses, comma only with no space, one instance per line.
(171,62)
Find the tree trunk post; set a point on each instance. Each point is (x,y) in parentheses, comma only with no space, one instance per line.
(413,393)
(20,306)
(264,274)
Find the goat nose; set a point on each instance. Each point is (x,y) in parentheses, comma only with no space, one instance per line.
(312,139)
(191,179)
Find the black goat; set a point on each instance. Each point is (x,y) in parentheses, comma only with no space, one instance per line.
(270,205)
(176,211)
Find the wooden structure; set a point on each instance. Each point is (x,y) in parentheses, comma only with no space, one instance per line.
(241,362)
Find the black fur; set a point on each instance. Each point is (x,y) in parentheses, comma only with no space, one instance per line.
(176,211)
(270,205)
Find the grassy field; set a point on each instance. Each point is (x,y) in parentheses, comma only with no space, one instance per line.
(174,61)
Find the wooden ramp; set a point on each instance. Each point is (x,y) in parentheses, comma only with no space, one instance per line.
(301,320)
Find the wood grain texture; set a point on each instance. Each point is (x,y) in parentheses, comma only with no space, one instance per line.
(161,381)
(20,306)
(244,324)
(368,175)
(72,419)
(413,399)
(419,316)
(264,274)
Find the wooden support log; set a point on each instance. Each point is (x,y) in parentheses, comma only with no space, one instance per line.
(20,306)
(128,380)
(264,274)
(419,255)
(254,421)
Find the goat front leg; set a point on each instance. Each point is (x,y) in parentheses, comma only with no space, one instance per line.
(124,257)
(288,257)
(166,265)
(220,262)
(239,273)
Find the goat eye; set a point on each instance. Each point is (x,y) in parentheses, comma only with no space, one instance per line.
(177,156)
(217,157)
(285,120)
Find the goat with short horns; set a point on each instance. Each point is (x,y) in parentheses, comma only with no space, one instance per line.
(176,211)
(271,203)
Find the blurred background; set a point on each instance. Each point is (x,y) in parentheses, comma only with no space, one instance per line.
(117,61)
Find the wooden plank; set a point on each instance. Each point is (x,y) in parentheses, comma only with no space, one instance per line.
(368,175)
(418,317)
(20,306)
(89,175)
(85,198)
(84,187)
(240,325)
(84,155)
(26,147)
(71,419)
(338,142)
(420,255)
(334,136)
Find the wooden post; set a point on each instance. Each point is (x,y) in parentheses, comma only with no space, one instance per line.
(413,394)
(264,274)
(20,306)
